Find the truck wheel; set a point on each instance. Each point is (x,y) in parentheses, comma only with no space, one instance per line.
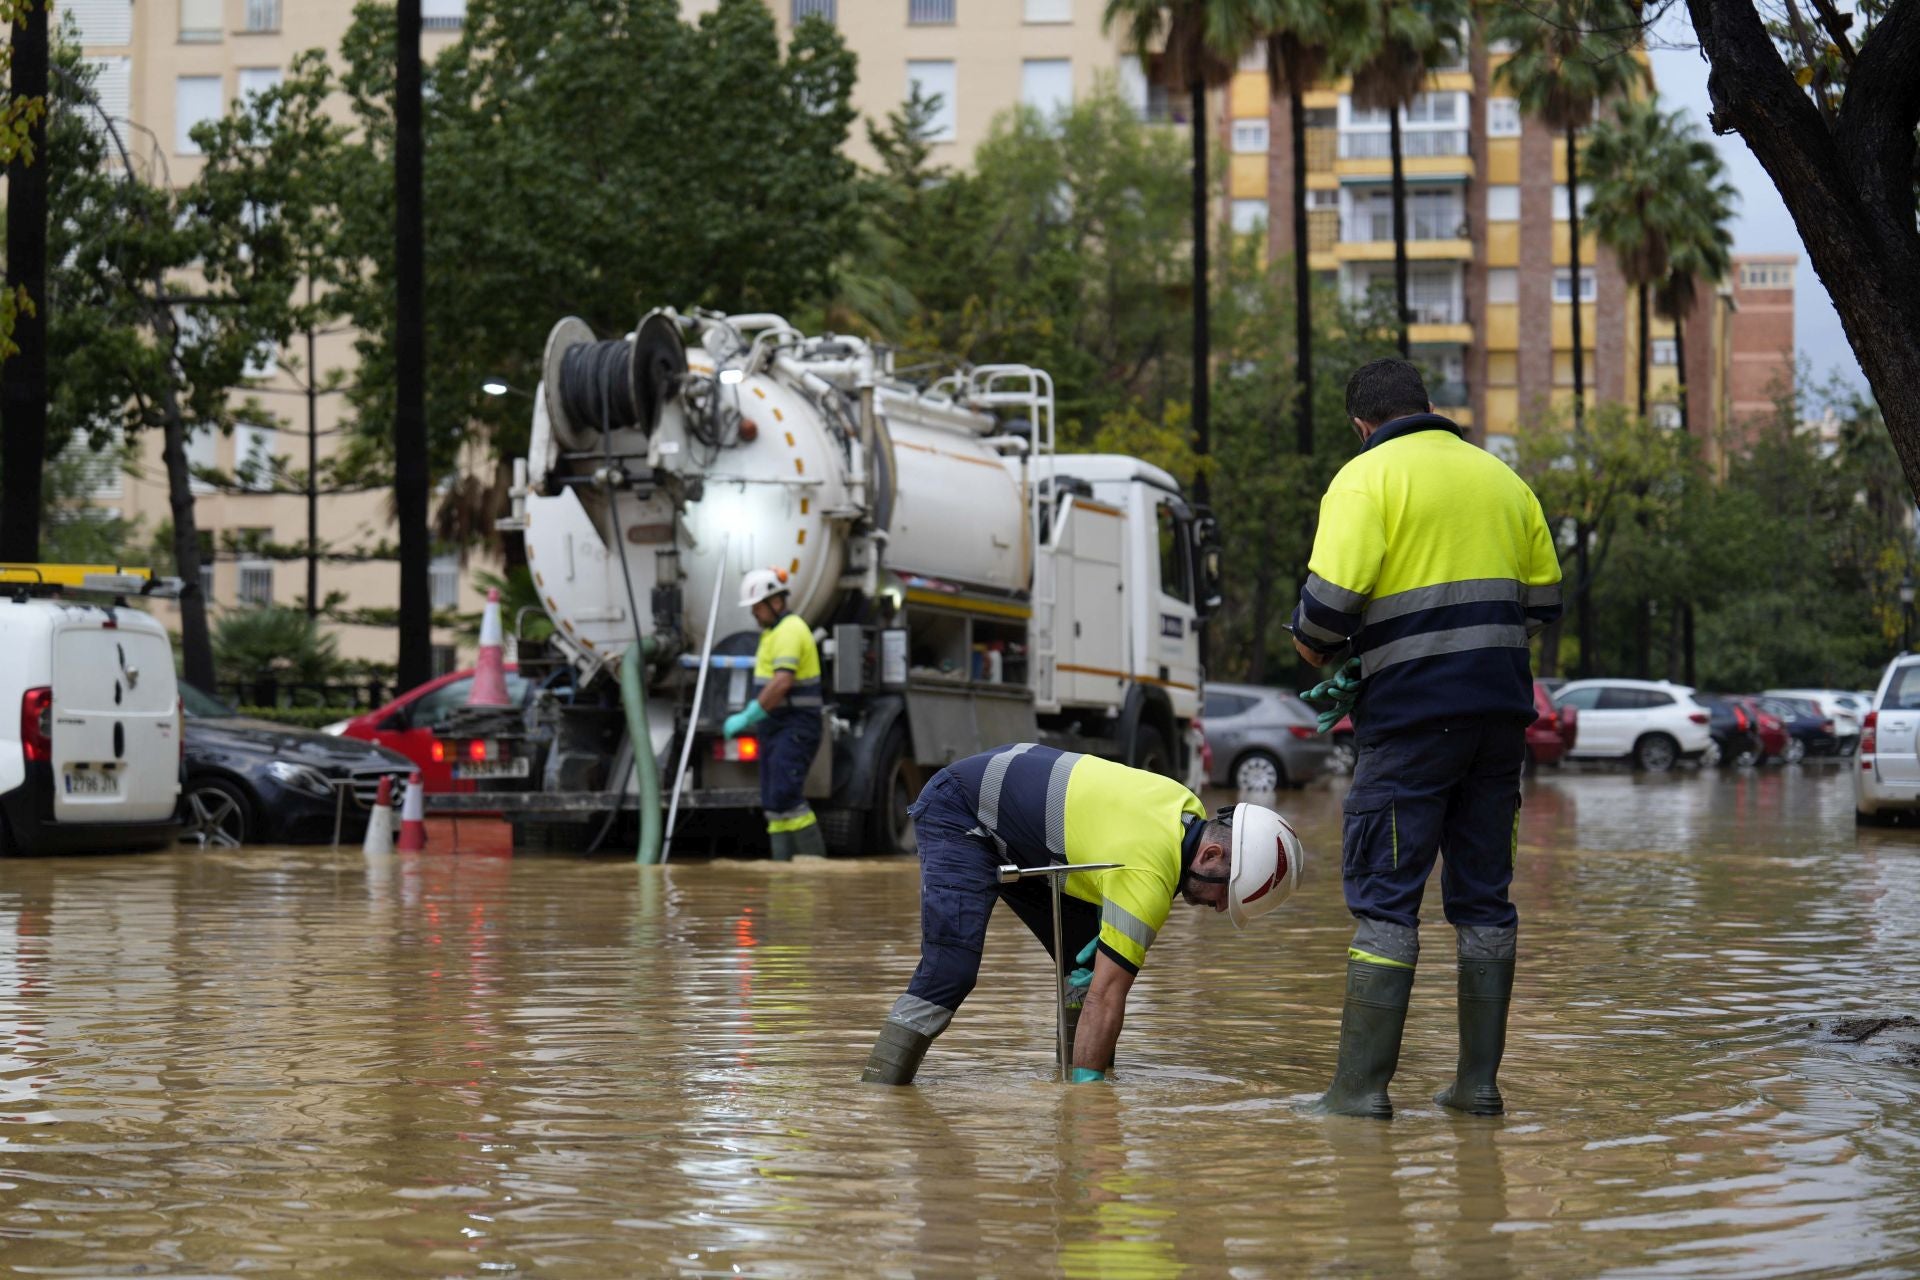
(896,786)
(1150,752)
(845,830)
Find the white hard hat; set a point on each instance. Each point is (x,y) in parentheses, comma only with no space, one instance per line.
(1266,863)
(761,584)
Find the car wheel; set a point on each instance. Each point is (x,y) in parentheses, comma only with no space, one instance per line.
(1344,753)
(1712,755)
(1748,757)
(1796,751)
(1655,753)
(1259,771)
(218,813)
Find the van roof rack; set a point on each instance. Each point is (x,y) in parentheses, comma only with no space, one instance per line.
(105,579)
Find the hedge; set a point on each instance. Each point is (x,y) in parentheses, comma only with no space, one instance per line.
(302,717)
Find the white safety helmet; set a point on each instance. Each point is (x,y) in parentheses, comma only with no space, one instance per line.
(761,584)
(1266,864)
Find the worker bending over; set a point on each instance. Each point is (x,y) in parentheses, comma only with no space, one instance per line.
(1035,807)
(787,701)
(1434,565)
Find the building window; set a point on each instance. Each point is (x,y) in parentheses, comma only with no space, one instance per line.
(1766,275)
(200,21)
(256,583)
(201,445)
(195,99)
(931,13)
(206,564)
(935,80)
(1503,118)
(1503,284)
(1049,10)
(263,15)
(1378,144)
(1319,198)
(1663,351)
(113,87)
(101,470)
(1249,215)
(445,659)
(443,580)
(1563,285)
(1432,295)
(1560,201)
(821,9)
(1434,108)
(251,82)
(1250,137)
(1503,203)
(1046,85)
(1666,417)
(1432,214)
(253,458)
(108,22)
(443,15)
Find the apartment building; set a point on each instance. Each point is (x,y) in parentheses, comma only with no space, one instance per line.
(163,66)
(1491,284)
(1761,351)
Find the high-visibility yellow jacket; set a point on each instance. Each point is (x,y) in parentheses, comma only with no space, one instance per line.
(788,645)
(1434,561)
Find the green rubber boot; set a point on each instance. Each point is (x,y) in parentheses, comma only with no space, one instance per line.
(896,1055)
(810,841)
(1370,1027)
(1486,991)
(781,842)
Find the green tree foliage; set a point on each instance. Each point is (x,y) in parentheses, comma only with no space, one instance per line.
(274,644)
(595,158)
(17,119)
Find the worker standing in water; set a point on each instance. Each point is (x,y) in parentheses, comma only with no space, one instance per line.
(787,700)
(1433,566)
(1035,806)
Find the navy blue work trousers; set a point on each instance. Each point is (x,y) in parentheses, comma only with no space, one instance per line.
(960,882)
(787,747)
(1448,789)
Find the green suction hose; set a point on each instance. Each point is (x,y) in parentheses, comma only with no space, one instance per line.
(646,772)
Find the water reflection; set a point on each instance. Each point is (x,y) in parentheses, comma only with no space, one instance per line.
(440,1065)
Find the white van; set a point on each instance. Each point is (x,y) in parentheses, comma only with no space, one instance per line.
(92,760)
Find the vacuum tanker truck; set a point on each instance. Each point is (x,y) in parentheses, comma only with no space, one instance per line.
(968,585)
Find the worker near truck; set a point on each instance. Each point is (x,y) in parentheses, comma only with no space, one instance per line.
(785,710)
(1035,806)
(1432,568)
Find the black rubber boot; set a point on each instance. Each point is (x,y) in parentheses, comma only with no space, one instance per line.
(810,841)
(896,1055)
(1486,991)
(1370,1027)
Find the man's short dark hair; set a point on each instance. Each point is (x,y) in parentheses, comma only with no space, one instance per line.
(1382,390)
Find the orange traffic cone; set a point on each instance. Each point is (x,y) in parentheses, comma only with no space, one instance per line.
(413,817)
(490,674)
(379,841)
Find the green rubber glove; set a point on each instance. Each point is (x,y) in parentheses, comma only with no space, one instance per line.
(1342,690)
(1080,980)
(1087,1075)
(741,721)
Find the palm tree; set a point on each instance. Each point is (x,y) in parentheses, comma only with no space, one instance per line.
(1395,46)
(1199,42)
(1699,247)
(1567,56)
(1631,157)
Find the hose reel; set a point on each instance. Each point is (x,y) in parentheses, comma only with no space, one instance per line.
(621,383)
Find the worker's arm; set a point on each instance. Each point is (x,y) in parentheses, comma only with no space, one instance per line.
(1310,655)
(1100,1018)
(1348,548)
(774,696)
(1543,573)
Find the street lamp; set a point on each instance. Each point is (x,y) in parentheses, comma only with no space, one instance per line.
(1906,614)
(496,386)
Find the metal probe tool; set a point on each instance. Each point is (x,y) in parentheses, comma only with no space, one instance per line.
(1056,874)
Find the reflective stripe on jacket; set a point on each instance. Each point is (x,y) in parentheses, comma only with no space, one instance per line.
(1434,560)
(788,645)
(1042,805)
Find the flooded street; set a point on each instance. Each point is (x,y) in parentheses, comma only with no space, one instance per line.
(287,1062)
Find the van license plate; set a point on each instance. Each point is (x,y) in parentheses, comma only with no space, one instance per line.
(519,768)
(93,782)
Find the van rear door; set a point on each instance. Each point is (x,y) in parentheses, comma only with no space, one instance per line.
(116,719)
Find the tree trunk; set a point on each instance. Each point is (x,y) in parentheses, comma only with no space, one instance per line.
(196,645)
(1646,343)
(23,380)
(313,471)
(1202,344)
(1680,363)
(1302,276)
(409,353)
(1849,189)
(1573,259)
(1403,310)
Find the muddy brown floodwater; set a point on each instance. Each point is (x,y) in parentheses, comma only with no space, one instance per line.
(285,1062)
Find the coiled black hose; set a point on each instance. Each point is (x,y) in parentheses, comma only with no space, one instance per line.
(597,387)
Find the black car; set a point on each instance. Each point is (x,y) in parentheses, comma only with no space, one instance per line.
(1736,738)
(255,781)
(1809,731)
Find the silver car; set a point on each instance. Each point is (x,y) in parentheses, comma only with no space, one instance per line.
(1262,739)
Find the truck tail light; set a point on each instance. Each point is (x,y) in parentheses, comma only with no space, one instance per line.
(36,725)
(744,749)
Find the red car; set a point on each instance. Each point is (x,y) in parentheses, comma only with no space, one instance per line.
(410,725)
(1773,731)
(1548,739)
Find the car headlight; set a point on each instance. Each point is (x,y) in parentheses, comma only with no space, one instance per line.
(301,778)
(337,728)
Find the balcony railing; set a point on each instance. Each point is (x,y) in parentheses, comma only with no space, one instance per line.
(931,13)
(1322,146)
(1413,142)
(1436,313)
(1424,224)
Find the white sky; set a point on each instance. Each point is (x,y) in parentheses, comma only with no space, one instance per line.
(1761,223)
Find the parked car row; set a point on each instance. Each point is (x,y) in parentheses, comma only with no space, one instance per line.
(1886,785)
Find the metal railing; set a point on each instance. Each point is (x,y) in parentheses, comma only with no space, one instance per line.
(1413,142)
(1422,224)
(931,13)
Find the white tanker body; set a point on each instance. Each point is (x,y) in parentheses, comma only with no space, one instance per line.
(969,586)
